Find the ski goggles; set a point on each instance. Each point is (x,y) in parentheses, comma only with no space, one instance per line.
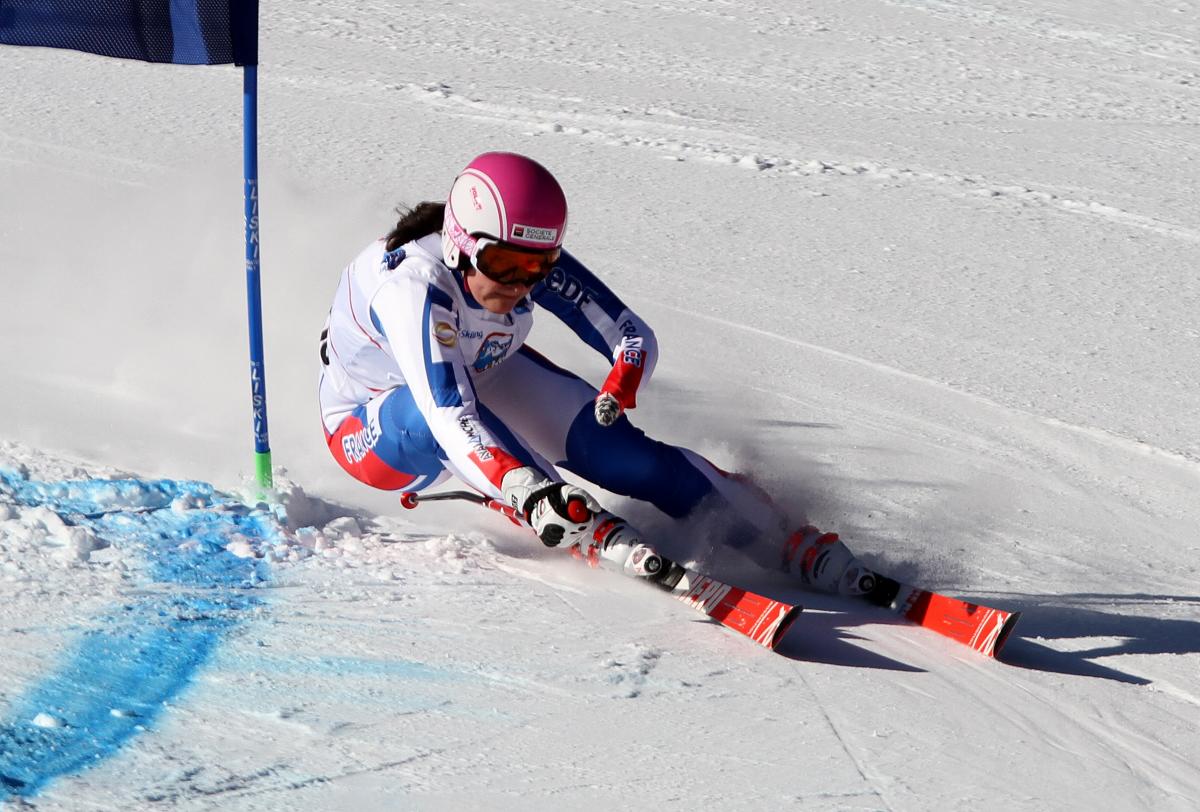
(510,265)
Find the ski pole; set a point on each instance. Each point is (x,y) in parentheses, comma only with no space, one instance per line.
(634,558)
(410,500)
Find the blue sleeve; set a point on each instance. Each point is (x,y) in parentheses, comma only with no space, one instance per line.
(583,303)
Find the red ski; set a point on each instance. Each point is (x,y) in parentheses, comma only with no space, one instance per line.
(981,627)
(760,618)
(765,621)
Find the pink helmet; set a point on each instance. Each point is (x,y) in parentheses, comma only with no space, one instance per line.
(506,197)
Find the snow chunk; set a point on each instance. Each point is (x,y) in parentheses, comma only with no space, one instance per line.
(73,543)
(346,526)
(301,510)
(187,502)
(457,555)
(242,547)
(309,537)
(80,545)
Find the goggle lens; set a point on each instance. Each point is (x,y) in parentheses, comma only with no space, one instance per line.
(514,266)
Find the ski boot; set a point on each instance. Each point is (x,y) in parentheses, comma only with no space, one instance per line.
(619,546)
(823,562)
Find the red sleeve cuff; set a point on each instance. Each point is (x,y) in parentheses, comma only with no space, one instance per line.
(622,382)
(494,463)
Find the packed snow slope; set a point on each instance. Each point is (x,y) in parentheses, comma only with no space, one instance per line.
(925,269)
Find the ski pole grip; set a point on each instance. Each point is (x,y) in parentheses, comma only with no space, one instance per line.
(408,499)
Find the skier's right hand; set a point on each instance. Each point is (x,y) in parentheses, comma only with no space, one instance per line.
(558,512)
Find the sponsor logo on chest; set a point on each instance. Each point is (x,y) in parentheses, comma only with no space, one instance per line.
(492,351)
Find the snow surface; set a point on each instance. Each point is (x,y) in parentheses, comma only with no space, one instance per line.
(927,269)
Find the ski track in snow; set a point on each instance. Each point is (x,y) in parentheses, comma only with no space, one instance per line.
(1125,444)
(685,140)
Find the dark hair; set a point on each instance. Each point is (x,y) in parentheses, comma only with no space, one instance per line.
(424,219)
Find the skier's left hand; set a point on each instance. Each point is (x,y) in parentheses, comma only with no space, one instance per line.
(608,409)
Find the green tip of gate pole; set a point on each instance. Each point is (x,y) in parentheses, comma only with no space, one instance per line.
(262,469)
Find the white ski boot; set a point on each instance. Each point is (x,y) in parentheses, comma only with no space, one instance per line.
(618,545)
(823,562)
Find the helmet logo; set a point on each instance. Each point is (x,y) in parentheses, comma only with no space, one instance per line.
(475,198)
(535,234)
(458,237)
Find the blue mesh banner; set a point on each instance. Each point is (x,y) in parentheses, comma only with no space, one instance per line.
(186,32)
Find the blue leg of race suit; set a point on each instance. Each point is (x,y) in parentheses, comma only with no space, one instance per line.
(404,453)
(406,442)
(622,459)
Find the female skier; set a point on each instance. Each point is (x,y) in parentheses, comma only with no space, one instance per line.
(425,374)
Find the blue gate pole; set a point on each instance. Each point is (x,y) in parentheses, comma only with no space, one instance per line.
(258,372)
